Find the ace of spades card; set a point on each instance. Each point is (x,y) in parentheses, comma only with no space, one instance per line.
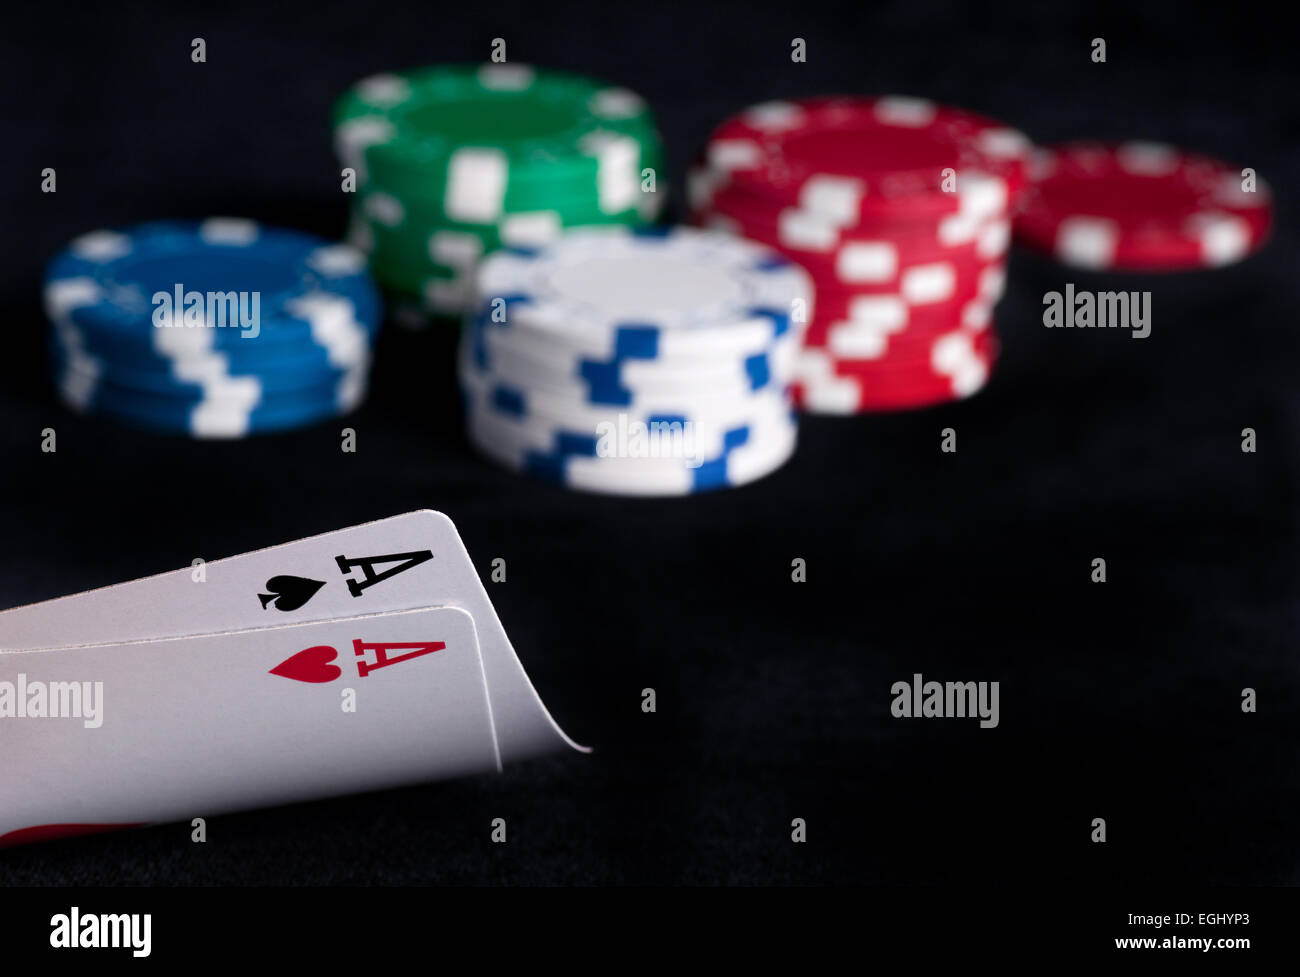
(360,659)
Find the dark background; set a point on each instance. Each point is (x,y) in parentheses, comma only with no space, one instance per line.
(1119,701)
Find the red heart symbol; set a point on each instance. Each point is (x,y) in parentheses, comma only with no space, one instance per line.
(310,665)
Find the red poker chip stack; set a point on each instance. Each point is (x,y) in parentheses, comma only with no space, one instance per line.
(1141,206)
(900,211)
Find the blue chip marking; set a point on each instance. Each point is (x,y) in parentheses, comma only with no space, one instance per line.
(509,401)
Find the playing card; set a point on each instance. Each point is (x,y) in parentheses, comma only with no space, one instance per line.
(407,561)
(174,728)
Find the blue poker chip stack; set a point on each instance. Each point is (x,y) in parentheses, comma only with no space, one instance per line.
(220,328)
(635,362)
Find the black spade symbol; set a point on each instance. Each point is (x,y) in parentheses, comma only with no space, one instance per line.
(290,593)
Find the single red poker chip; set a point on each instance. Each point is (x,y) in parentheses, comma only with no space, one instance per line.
(958,368)
(873,273)
(795,228)
(940,356)
(858,159)
(876,260)
(738,211)
(1141,206)
(853,396)
(813,400)
(851,344)
(896,313)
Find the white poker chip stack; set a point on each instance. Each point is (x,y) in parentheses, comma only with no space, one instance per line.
(635,362)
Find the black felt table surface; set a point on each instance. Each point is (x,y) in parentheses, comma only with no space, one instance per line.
(1119,701)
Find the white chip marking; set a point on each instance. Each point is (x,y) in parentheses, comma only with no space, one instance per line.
(726,155)
(912,113)
(774,116)
(354,137)
(618,179)
(992,283)
(885,311)
(954,356)
(1087,241)
(334,327)
(994,240)
(460,251)
(1147,158)
(447,294)
(229,231)
(617,103)
(867,262)
(970,378)
(476,185)
(1223,237)
(1004,143)
(64,295)
(923,284)
(836,198)
(977,315)
(336,261)
(531,229)
(384,91)
(456,249)
(796,228)
(982,196)
(950,352)
(957,229)
(823,390)
(853,340)
(383,208)
(506,77)
(101,246)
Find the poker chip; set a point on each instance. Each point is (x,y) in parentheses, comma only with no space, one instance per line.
(912,312)
(217,329)
(635,362)
(860,256)
(517,357)
(454,162)
(1141,206)
(749,452)
(888,340)
(665,291)
(953,366)
(899,210)
(851,160)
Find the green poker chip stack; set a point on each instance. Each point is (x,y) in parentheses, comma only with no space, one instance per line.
(456,161)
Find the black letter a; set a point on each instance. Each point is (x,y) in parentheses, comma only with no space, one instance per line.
(367,563)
